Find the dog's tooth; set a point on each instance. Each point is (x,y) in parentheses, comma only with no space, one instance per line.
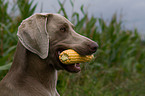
(78,64)
(58,52)
(75,64)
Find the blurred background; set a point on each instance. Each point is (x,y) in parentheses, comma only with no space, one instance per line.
(116,25)
(131,11)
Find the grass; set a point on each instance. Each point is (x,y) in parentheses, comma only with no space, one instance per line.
(117,70)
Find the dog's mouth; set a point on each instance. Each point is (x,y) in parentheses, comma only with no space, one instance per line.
(74,68)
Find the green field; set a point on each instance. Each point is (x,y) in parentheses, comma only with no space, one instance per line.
(119,65)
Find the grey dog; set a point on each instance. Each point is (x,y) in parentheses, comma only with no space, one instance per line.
(34,69)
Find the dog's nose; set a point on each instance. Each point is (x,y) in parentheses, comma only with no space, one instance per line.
(93,46)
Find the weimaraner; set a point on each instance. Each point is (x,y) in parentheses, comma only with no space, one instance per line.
(34,69)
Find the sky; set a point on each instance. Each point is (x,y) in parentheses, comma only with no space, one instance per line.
(132,11)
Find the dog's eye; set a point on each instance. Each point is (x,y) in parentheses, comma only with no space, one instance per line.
(63,29)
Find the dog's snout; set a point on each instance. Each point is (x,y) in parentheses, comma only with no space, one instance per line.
(93,46)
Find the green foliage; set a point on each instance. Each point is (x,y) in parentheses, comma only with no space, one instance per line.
(118,68)
(25,4)
(9,23)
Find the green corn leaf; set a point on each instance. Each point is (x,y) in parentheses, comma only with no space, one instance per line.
(82,9)
(72,4)
(62,9)
(77,16)
(80,24)
(5,67)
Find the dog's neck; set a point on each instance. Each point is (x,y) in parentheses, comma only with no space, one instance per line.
(31,68)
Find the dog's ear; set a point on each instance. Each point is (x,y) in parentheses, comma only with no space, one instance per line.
(33,34)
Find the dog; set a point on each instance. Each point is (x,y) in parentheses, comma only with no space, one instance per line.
(42,37)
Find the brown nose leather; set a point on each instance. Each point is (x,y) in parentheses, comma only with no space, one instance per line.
(93,46)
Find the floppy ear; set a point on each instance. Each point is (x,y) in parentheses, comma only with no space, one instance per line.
(33,34)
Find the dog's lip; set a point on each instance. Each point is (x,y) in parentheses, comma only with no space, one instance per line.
(74,68)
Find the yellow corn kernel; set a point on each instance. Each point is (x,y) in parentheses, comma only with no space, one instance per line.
(70,57)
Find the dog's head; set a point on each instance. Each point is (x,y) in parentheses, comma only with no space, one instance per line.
(47,35)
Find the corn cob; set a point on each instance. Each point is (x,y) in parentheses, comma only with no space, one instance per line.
(71,57)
